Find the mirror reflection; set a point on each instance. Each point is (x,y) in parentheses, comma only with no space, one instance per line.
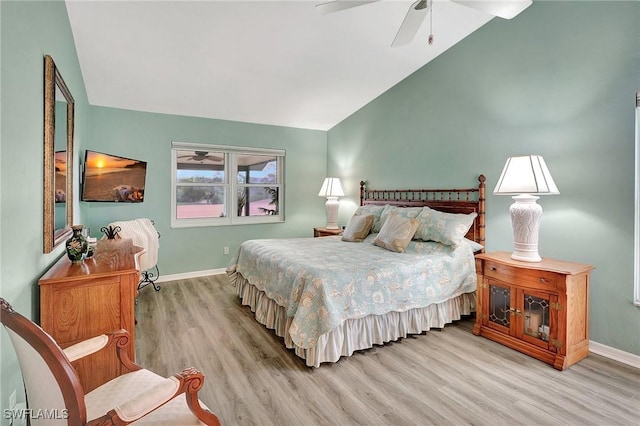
(60,162)
(58,157)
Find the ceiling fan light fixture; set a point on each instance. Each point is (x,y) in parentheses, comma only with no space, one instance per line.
(422,4)
(506,9)
(418,10)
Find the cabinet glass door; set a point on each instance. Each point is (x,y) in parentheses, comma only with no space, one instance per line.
(499,307)
(536,318)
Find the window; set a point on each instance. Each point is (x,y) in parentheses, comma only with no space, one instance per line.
(225,185)
(636,261)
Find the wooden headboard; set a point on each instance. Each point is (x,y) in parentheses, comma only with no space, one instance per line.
(457,200)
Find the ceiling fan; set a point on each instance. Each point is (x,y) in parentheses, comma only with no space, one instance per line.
(417,12)
(201,156)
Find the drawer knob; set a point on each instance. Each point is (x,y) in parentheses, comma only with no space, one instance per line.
(542,280)
(493,268)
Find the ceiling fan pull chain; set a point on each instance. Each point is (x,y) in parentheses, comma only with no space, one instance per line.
(430,39)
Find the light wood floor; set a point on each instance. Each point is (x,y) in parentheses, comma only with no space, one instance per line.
(448,377)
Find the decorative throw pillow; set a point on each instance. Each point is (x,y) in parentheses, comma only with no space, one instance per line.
(445,228)
(408,212)
(358,228)
(476,247)
(374,210)
(396,233)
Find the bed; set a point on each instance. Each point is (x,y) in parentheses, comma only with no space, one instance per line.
(328,298)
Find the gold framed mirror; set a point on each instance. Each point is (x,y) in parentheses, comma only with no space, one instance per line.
(58,157)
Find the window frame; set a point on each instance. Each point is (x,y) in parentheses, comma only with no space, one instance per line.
(636,238)
(230,184)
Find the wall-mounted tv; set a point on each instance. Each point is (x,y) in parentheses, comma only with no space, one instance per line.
(108,177)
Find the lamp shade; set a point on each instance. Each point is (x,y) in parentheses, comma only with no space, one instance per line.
(526,175)
(331,188)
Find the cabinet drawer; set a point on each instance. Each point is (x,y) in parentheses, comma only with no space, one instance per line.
(520,276)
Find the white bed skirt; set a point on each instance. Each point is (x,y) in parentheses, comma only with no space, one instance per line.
(353,334)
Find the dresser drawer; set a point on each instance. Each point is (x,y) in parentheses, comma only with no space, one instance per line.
(524,277)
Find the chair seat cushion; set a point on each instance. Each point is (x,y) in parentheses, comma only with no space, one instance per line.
(123,388)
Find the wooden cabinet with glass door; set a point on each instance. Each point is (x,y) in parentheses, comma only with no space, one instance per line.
(538,308)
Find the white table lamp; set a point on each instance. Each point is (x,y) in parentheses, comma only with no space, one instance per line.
(525,177)
(331,189)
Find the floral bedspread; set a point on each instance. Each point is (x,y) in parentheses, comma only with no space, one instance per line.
(323,281)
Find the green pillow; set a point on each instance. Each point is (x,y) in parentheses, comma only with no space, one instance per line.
(408,212)
(372,209)
(445,228)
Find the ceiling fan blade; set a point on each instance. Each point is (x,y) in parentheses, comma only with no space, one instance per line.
(338,5)
(506,9)
(412,22)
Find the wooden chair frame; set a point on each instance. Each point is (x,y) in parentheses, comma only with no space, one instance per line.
(190,379)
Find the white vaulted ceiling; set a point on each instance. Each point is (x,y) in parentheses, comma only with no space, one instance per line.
(269,62)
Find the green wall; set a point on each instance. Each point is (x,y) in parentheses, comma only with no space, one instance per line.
(559,81)
(29,30)
(148,137)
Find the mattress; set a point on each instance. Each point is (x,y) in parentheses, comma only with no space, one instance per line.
(328,298)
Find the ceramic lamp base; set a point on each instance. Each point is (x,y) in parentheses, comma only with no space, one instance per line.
(525,219)
(332,212)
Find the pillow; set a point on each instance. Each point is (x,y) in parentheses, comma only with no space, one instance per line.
(445,228)
(396,233)
(374,210)
(408,212)
(476,247)
(358,228)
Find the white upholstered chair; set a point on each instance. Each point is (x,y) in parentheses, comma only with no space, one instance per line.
(139,396)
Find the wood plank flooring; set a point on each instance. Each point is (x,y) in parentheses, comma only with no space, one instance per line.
(447,377)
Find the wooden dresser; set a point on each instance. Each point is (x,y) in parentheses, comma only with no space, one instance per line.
(538,308)
(79,301)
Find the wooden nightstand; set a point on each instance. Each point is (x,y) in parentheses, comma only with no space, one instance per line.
(538,308)
(324,232)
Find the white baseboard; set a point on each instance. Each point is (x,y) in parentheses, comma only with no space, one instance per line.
(614,354)
(595,347)
(187,275)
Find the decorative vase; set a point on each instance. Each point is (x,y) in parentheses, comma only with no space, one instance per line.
(77,245)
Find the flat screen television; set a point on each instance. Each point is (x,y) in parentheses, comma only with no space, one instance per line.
(111,178)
